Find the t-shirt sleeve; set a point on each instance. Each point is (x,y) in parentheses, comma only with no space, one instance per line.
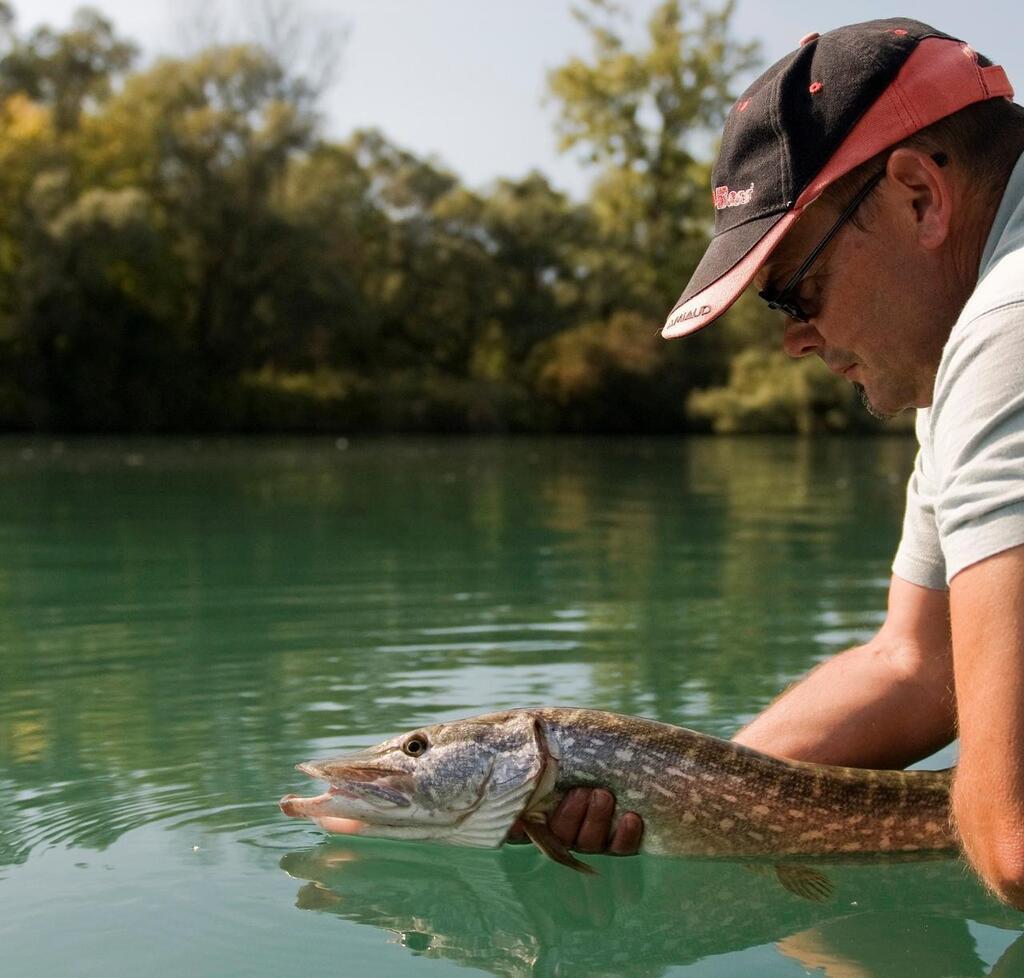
(919,558)
(977,436)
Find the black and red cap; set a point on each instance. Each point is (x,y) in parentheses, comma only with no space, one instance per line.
(821,111)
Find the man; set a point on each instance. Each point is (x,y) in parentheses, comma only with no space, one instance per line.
(870,185)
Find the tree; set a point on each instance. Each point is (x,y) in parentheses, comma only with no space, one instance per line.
(68,71)
(209,139)
(181,248)
(99,300)
(306,40)
(645,121)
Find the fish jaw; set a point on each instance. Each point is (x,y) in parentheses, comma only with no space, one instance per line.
(298,807)
(358,791)
(295,806)
(322,810)
(342,812)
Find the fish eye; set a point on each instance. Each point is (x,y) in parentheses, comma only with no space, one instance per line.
(415,745)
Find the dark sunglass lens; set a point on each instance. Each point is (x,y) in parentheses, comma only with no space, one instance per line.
(787,306)
(792,310)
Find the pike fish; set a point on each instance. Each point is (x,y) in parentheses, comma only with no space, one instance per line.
(466,782)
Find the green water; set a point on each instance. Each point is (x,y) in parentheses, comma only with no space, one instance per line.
(180,623)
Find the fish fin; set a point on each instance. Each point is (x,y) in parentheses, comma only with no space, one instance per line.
(552,847)
(805,882)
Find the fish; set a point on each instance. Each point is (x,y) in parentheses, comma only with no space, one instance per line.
(466,782)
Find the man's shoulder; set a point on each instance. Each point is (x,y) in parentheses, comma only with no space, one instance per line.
(1000,282)
(1001,288)
(982,365)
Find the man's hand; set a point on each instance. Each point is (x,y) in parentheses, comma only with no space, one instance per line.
(583,821)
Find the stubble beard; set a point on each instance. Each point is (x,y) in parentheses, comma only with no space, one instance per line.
(870,408)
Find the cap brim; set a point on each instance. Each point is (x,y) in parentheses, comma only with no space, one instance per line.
(741,251)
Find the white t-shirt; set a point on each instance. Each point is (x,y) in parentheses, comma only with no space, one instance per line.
(965,498)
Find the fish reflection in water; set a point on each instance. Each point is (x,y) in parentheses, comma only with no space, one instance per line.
(513,915)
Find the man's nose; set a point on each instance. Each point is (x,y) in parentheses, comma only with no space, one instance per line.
(801,339)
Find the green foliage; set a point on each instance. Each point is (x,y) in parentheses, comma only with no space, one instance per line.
(65,71)
(608,376)
(644,120)
(182,249)
(94,342)
(768,393)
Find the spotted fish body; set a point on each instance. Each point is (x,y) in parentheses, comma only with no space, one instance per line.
(467,781)
(702,796)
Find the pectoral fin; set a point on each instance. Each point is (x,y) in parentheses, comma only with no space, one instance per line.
(805,882)
(536,827)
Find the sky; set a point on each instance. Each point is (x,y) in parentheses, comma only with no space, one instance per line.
(464,80)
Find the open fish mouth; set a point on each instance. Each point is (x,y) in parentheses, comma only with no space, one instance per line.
(362,791)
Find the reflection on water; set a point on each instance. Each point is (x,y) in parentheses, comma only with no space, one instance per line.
(644,915)
(181,622)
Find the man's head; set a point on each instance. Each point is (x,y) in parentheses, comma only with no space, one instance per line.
(871,178)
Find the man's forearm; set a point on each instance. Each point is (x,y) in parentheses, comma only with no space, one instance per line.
(988,793)
(871,706)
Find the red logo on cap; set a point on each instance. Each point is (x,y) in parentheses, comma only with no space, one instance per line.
(724,197)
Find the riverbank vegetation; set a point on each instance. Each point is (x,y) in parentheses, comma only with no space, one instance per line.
(183,249)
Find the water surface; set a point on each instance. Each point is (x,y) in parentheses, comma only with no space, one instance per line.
(181,622)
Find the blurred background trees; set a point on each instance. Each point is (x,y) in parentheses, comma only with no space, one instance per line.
(182,249)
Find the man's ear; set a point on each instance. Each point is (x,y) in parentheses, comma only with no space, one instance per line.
(924,189)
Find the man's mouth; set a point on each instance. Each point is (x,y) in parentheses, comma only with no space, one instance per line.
(843,371)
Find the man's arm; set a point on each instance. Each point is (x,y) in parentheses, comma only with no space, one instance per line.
(883,704)
(987,605)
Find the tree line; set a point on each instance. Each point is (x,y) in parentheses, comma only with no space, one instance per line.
(182,248)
